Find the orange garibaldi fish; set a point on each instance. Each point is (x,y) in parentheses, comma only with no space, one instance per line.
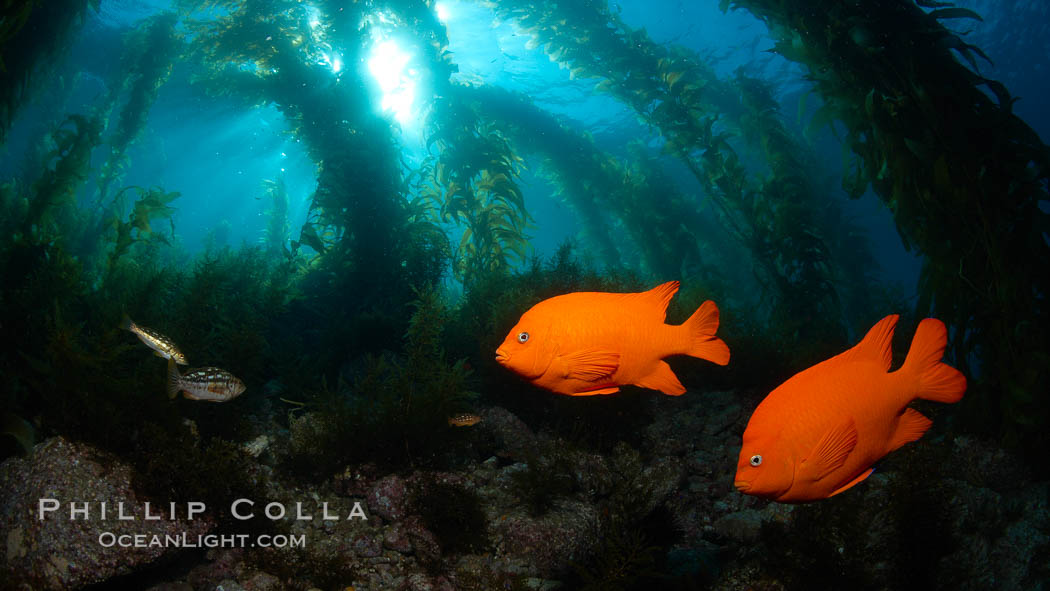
(819,433)
(588,343)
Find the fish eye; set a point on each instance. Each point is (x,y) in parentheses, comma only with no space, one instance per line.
(523,337)
(756,460)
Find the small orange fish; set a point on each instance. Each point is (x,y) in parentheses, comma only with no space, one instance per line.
(589,343)
(819,433)
(463,420)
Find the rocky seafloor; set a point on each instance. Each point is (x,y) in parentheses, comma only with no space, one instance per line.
(540,513)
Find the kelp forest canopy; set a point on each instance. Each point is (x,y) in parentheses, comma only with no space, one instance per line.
(718,188)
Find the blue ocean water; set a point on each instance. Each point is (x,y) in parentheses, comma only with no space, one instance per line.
(214,151)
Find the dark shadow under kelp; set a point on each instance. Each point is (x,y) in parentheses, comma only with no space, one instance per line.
(546,478)
(636,530)
(453,513)
(395,411)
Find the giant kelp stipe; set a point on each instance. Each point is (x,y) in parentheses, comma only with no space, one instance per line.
(344,207)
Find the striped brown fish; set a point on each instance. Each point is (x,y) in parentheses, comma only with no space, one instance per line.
(161,344)
(464,420)
(204,383)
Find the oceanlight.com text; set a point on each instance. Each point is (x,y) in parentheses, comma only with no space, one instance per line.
(110,540)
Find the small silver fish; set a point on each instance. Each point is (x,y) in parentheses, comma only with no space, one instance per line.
(161,344)
(204,383)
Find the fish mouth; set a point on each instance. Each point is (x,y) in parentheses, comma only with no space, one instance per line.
(742,486)
(501,356)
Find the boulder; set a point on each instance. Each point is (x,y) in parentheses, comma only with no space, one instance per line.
(58,552)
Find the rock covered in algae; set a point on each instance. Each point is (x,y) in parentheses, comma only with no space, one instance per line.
(513,437)
(60,553)
(551,543)
(388,498)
